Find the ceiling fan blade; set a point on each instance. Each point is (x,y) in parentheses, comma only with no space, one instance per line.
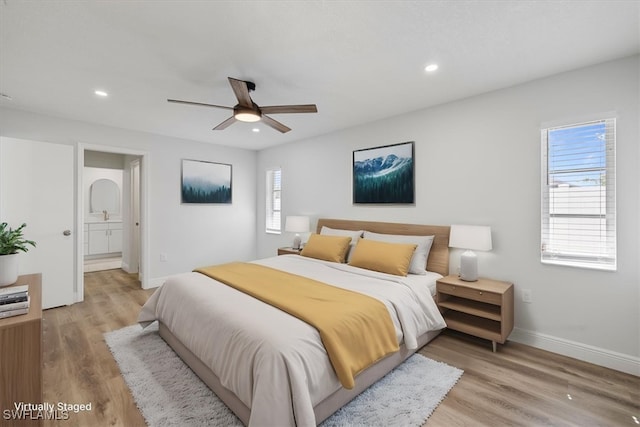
(199,103)
(275,124)
(231,120)
(242,92)
(279,109)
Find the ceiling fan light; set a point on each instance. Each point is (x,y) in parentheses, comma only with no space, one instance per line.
(247,116)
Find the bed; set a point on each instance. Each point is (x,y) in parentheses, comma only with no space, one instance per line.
(238,345)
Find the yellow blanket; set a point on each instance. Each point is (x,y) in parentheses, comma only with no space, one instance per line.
(356,330)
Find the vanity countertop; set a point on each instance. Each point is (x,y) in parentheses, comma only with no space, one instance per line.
(98,220)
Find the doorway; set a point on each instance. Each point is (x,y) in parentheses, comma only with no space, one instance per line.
(105,206)
(111,211)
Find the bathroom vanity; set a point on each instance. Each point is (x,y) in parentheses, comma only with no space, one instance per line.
(102,237)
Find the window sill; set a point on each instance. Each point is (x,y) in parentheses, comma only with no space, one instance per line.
(577,264)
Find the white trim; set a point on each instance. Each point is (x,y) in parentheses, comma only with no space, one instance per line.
(125,267)
(145,166)
(133,164)
(596,355)
(577,264)
(78,283)
(155,282)
(581,118)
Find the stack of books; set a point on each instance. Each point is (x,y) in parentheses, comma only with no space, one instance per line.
(14,301)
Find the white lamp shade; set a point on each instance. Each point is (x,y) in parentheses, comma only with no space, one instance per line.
(470,237)
(473,237)
(297,224)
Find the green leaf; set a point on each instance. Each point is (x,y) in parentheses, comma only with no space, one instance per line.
(12,241)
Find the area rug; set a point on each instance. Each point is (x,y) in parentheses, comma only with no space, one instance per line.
(168,393)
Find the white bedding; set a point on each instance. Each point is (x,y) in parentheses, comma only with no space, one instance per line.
(273,362)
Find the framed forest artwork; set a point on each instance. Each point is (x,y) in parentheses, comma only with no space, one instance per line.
(205,182)
(384,174)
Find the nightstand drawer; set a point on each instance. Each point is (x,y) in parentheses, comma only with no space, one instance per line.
(469,293)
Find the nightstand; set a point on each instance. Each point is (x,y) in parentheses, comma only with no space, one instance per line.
(483,308)
(289,251)
(21,361)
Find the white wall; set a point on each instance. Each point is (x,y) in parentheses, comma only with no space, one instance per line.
(98,159)
(478,162)
(190,235)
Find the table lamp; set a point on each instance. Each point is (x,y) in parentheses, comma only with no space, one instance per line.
(470,238)
(297,224)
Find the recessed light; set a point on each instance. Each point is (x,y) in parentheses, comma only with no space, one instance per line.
(101,93)
(431,68)
(256,130)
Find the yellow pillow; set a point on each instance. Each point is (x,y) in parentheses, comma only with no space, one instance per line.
(328,248)
(391,258)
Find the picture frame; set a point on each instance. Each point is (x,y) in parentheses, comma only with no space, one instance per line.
(384,175)
(205,182)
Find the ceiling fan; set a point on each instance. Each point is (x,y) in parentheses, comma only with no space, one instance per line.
(248,111)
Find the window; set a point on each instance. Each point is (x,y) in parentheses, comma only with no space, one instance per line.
(273,201)
(578,195)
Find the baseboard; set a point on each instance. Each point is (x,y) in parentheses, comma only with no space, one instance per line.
(154,283)
(598,356)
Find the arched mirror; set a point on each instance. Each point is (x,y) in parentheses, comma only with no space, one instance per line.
(105,196)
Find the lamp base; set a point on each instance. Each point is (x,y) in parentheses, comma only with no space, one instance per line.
(296,242)
(468,266)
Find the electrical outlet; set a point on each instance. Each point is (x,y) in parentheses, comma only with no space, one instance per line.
(163,257)
(526,296)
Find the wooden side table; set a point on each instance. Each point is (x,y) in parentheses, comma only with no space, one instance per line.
(289,251)
(21,358)
(483,308)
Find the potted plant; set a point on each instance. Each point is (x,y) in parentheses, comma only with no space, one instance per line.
(11,242)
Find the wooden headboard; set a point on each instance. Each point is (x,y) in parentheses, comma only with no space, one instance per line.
(438,256)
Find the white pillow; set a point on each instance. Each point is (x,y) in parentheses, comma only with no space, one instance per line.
(354,234)
(419,260)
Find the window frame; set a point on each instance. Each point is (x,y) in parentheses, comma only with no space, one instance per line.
(604,256)
(271,211)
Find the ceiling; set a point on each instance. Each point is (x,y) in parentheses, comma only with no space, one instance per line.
(358,61)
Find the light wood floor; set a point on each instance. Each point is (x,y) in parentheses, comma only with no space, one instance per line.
(518,386)
(78,366)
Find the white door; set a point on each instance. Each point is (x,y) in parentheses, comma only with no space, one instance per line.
(36,187)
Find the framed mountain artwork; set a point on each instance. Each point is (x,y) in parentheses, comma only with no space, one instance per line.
(384,174)
(205,182)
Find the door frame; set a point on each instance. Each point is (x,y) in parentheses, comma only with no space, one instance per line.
(143,271)
(134,226)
